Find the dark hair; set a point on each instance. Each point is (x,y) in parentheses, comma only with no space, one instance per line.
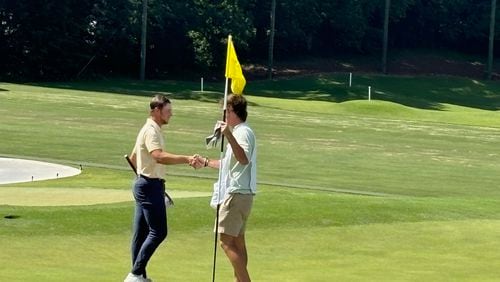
(158,101)
(239,105)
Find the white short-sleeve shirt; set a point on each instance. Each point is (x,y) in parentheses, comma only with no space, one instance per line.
(242,178)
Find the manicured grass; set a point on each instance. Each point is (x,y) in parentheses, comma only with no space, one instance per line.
(401,188)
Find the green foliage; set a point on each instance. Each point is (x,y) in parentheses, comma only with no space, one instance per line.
(214,21)
(201,48)
(446,23)
(49,40)
(42,38)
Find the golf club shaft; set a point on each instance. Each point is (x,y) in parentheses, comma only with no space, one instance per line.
(129,161)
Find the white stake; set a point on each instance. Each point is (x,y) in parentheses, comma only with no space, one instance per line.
(369,93)
(350,79)
(202,84)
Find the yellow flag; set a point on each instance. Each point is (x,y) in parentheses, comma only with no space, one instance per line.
(233,69)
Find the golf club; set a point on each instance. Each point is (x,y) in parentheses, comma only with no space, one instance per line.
(135,172)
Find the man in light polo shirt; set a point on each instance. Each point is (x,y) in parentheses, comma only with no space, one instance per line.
(239,179)
(150,220)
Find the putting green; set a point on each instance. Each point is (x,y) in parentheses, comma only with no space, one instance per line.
(17,196)
(14,170)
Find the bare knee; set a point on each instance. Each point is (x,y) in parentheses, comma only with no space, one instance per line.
(227,242)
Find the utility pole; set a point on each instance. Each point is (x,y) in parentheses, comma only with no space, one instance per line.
(143,38)
(271,41)
(492,38)
(386,36)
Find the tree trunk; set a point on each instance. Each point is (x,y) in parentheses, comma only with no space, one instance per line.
(386,36)
(271,40)
(143,38)
(492,38)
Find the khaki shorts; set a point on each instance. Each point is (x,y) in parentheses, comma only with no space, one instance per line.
(233,214)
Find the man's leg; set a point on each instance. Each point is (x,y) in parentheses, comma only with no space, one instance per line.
(140,232)
(153,207)
(240,244)
(140,226)
(235,250)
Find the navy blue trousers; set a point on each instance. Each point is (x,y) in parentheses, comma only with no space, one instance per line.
(150,221)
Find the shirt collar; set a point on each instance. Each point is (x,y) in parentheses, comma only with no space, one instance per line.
(240,124)
(153,123)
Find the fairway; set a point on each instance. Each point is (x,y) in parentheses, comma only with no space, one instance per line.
(401,188)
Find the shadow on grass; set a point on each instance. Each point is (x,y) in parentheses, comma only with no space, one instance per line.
(417,92)
(185,90)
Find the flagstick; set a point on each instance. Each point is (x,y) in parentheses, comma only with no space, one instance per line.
(220,181)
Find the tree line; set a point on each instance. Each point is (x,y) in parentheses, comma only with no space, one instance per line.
(55,39)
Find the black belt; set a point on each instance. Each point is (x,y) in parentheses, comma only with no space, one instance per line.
(152,179)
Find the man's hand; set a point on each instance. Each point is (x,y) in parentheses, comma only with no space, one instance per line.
(224,128)
(196,161)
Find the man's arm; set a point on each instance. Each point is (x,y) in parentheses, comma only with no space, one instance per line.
(167,158)
(211,163)
(133,158)
(238,152)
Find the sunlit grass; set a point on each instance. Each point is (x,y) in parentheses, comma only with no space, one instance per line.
(400,188)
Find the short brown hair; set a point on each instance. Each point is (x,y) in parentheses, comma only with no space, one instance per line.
(158,101)
(239,105)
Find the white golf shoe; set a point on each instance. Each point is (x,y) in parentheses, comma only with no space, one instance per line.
(135,278)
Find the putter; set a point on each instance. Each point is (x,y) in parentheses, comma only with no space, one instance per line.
(135,172)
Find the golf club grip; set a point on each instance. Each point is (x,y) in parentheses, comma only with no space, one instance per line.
(131,164)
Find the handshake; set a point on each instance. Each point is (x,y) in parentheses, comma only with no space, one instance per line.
(196,161)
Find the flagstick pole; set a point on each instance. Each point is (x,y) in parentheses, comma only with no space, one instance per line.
(220,179)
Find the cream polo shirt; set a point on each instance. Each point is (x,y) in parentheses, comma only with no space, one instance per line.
(150,138)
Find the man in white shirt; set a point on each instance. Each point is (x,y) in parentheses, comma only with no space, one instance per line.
(239,179)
